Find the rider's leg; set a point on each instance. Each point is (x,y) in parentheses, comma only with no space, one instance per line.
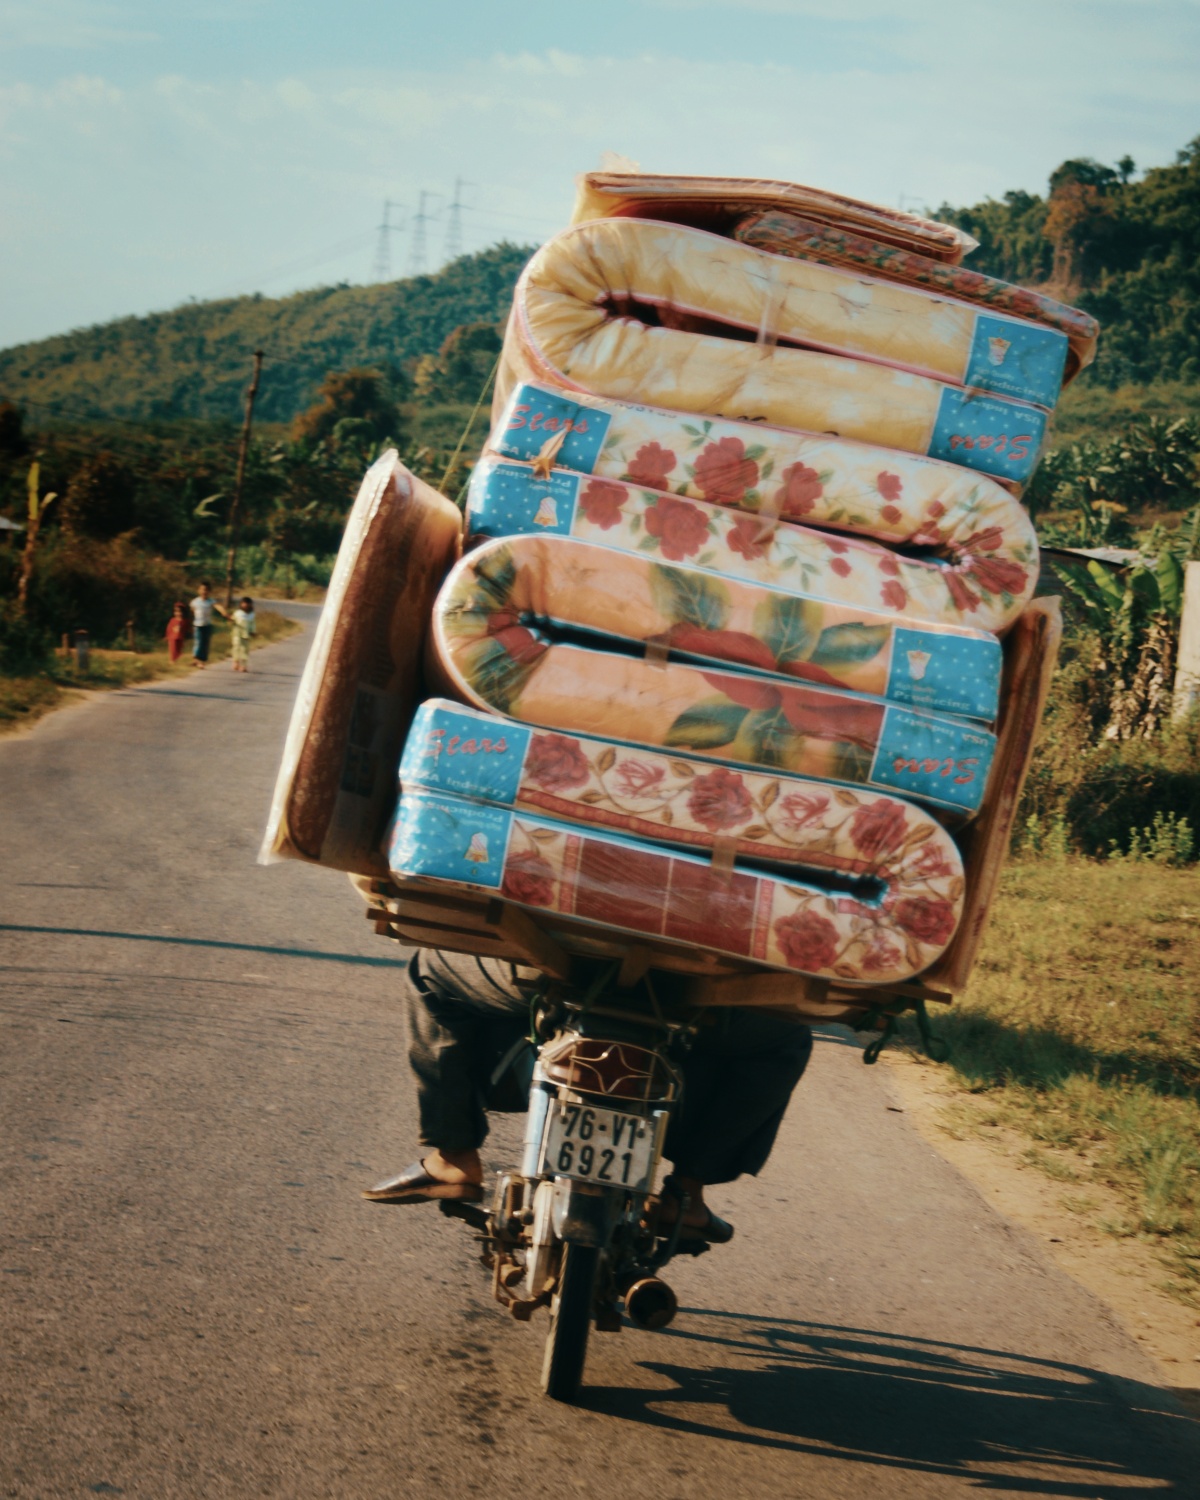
(462,1014)
(738,1079)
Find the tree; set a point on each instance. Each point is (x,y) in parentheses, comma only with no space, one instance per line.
(354,406)
(460,368)
(101,498)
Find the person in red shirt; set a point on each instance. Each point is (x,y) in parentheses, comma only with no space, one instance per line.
(177,629)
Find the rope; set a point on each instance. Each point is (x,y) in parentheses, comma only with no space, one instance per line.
(450,467)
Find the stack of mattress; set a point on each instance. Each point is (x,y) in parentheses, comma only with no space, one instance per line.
(722,665)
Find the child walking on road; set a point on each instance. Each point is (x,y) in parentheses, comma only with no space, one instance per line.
(202,607)
(177,629)
(242,628)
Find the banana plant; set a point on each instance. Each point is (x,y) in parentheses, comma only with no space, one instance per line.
(38,505)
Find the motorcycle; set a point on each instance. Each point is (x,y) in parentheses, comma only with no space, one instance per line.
(579,1228)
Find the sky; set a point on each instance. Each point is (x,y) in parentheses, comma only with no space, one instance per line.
(160,150)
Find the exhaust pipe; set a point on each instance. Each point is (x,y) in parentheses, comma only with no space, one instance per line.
(651,1303)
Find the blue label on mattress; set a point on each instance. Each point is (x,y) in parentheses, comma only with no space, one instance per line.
(471,754)
(1018,359)
(509,500)
(957,673)
(988,434)
(933,760)
(534,416)
(446,838)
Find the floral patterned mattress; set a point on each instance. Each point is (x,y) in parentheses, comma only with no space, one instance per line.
(563,585)
(982,546)
(671,315)
(506,498)
(564,674)
(782,232)
(633,886)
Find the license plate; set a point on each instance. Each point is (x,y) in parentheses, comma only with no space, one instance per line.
(598,1145)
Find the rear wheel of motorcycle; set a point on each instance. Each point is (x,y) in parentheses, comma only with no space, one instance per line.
(570,1319)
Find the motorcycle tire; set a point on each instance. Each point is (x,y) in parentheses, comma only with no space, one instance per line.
(570,1321)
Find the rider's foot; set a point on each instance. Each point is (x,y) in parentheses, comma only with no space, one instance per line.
(454,1166)
(699,1221)
(441,1175)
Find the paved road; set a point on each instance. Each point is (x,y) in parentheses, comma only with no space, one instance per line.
(201,1065)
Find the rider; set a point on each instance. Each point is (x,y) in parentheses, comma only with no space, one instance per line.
(466,1014)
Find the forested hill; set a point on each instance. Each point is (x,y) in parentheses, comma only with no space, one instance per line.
(1123,244)
(195,360)
(1126,248)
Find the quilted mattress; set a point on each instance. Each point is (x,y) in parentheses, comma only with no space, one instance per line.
(678,317)
(632,886)
(784,233)
(361,682)
(970,522)
(506,498)
(563,586)
(671,798)
(484,652)
(718,203)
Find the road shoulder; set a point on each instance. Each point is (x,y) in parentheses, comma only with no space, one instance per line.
(1123,1273)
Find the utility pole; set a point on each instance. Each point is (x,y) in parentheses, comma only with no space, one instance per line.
(235,509)
(382,269)
(416,263)
(453,246)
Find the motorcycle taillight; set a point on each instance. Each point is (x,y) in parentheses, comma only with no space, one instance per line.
(619,1070)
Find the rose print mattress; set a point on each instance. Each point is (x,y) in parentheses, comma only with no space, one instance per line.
(509,499)
(718,203)
(963,520)
(882,363)
(627,885)
(483,653)
(567,587)
(671,798)
(784,233)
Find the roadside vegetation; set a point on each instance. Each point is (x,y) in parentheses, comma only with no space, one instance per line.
(26,697)
(1081,1031)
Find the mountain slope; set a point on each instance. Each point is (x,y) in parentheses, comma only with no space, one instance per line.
(194,360)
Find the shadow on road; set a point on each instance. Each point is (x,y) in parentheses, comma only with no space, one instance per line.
(189,942)
(1000,1421)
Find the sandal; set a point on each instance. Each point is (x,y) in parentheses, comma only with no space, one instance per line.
(415,1185)
(714,1230)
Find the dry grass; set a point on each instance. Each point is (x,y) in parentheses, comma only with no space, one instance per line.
(1081,1029)
(23,700)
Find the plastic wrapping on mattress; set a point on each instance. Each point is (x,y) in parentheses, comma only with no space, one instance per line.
(670,798)
(627,885)
(562,587)
(717,203)
(507,498)
(785,233)
(908,371)
(336,788)
(487,658)
(970,522)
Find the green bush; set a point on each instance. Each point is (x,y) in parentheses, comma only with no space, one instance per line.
(24,645)
(97,586)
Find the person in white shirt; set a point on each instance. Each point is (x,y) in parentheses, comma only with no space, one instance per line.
(202,607)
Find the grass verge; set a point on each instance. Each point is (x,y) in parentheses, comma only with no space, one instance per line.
(24,700)
(1081,1031)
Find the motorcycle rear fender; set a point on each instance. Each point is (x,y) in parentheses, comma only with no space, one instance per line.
(583,1214)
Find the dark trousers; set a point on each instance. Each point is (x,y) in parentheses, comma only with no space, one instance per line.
(201,642)
(465,1015)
